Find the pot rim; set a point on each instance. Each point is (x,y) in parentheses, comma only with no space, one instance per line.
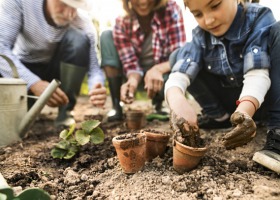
(141,137)
(151,136)
(199,151)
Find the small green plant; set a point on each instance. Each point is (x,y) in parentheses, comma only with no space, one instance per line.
(73,139)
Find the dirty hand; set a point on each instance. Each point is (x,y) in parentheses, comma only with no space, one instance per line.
(129,88)
(98,95)
(183,131)
(244,131)
(127,93)
(153,82)
(58,97)
(173,123)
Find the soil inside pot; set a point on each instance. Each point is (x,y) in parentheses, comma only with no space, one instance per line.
(127,136)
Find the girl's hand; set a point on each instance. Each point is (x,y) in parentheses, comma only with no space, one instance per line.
(180,106)
(244,131)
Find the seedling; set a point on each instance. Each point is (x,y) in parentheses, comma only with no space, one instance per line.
(73,139)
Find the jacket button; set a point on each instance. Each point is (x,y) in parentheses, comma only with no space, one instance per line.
(255,51)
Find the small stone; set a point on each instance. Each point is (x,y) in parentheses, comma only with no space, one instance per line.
(84,177)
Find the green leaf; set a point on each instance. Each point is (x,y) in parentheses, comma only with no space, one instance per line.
(72,152)
(69,155)
(63,144)
(97,136)
(89,125)
(65,134)
(81,137)
(33,193)
(58,153)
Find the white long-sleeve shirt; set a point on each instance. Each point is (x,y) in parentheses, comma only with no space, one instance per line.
(25,36)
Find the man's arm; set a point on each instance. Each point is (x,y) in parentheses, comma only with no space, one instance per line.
(11,22)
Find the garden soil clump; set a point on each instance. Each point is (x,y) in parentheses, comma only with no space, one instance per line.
(95,173)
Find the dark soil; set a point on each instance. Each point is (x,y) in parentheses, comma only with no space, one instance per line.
(95,173)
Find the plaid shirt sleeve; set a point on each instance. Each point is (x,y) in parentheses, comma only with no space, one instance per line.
(122,38)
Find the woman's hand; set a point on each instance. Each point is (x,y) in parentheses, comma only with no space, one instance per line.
(153,81)
(129,88)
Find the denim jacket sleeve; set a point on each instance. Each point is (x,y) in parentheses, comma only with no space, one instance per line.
(256,47)
(188,59)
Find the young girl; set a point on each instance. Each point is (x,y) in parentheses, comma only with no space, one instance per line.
(231,67)
(139,47)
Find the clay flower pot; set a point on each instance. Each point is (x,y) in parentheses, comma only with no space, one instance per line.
(186,158)
(135,119)
(156,143)
(131,151)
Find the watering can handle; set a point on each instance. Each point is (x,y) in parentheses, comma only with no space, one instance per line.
(11,63)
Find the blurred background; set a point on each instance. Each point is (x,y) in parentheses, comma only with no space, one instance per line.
(105,12)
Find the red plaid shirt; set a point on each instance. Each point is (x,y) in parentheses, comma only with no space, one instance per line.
(168,35)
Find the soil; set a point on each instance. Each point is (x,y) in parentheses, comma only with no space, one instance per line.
(95,173)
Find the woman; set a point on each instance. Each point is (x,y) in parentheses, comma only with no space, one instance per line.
(139,47)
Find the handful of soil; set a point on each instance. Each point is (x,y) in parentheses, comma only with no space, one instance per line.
(184,132)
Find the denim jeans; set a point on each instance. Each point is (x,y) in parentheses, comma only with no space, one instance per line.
(74,48)
(216,98)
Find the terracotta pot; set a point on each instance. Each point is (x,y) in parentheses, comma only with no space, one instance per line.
(186,158)
(131,151)
(156,143)
(135,119)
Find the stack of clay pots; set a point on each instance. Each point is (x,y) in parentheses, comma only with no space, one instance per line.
(134,149)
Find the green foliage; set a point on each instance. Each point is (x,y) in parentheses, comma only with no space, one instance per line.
(72,139)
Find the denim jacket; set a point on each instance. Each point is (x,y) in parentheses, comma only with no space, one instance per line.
(242,48)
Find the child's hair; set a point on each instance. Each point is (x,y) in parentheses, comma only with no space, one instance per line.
(242,2)
(128,9)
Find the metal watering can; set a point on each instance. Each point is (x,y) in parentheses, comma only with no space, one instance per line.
(15,121)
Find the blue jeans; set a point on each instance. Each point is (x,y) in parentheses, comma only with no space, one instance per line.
(216,99)
(74,48)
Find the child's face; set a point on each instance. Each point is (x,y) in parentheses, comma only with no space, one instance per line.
(214,16)
(143,7)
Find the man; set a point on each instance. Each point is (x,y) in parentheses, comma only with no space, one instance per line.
(49,39)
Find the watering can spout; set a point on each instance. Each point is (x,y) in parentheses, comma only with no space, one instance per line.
(35,110)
